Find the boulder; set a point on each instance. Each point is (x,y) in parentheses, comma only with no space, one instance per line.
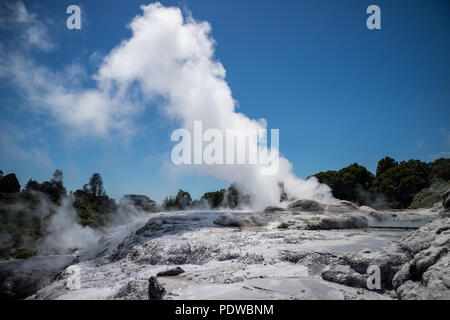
(133,290)
(337,222)
(271,209)
(342,206)
(155,289)
(446,200)
(307,205)
(170,272)
(240,221)
(372,212)
(446,204)
(417,267)
(22,278)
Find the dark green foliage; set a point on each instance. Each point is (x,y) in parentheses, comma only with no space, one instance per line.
(9,183)
(93,211)
(396,184)
(385,164)
(54,188)
(349,183)
(24,253)
(234,198)
(182,200)
(94,207)
(215,199)
(96,185)
(20,222)
(402,182)
(427,197)
(169,203)
(440,170)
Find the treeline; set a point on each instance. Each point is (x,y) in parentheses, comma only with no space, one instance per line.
(24,214)
(398,185)
(224,198)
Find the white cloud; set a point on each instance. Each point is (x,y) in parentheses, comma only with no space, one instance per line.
(32,31)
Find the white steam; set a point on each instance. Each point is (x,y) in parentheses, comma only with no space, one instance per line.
(168,58)
(64,234)
(172,57)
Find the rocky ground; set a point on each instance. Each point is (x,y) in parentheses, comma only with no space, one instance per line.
(307,250)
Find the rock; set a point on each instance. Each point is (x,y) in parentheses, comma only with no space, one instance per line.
(307,205)
(337,222)
(22,278)
(446,199)
(417,267)
(271,209)
(372,212)
(155,289)
(133,290)
(171,272)
(446,204)
(342,206)
(283,225)
(236,220)
(345,275)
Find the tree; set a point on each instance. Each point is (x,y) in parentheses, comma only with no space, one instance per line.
(215,198)
(385,164)
(182,200)
(96,185)
(440,170)
(169,203)
(54,188)
(235,198)
(9,184)
(402,182)
(350,183)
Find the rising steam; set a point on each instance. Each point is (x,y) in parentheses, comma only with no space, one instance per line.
(172,57)
(169,57)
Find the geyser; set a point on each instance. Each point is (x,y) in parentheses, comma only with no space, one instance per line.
(170,56)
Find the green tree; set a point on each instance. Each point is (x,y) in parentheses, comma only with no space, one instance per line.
(440,170)
(183,199)
(350,183)
(385,164)
(96,185)
(54,188)
(9,184)
(402,182)
(215,198)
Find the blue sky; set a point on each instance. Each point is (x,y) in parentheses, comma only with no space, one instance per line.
(338,92)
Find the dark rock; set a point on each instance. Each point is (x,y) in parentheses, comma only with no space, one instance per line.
(271,209)
(345,275)
(236,220)
(446,204)
(342,206)
(446,199)
(307,205)
(133,290)
(418,267)
(337,222)
(155,289)
(22,278)
(171,272)
(283,225)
